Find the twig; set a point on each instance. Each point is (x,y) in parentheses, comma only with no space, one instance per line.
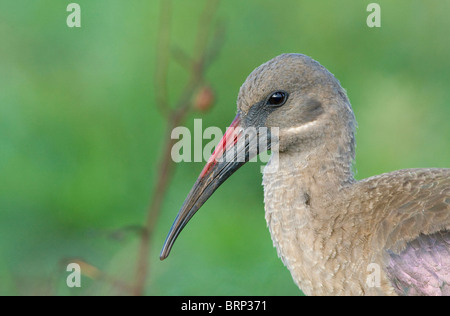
(94,273)
(162,57)
(202,57)
(182,58)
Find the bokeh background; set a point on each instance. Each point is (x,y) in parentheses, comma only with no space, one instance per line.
(80,134)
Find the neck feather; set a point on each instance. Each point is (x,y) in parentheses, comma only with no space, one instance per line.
(300,197)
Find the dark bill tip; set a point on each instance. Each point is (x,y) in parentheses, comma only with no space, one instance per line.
(215,172)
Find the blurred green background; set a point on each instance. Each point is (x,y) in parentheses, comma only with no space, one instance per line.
(80,136)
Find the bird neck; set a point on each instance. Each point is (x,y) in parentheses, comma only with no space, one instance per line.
(326,168)
(301,198)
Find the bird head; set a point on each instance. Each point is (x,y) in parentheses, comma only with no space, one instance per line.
(291,94)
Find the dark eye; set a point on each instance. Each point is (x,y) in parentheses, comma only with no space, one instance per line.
(277,98)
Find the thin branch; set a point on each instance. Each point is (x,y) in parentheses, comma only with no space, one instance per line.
(175,117)
(216,43)
(94,273)
(162,59)
(205,23)
(182,57)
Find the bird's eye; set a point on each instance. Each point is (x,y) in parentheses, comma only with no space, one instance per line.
(277,98)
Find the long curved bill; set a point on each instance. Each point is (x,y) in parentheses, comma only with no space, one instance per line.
(233,151)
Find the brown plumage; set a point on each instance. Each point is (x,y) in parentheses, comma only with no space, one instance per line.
(333,233)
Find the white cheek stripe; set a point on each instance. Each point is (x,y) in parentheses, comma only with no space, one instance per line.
(297,129)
